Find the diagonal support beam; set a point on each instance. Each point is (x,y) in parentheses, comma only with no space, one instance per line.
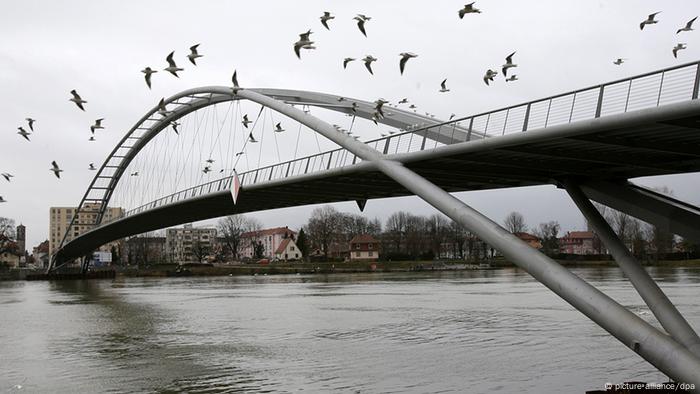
(664,310)
(654,346)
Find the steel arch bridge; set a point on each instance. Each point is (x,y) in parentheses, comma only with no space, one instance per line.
(590,142)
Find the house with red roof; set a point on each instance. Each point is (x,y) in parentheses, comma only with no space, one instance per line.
(270,239)
(364,247)
(529,239)
(288,250)
(579,242)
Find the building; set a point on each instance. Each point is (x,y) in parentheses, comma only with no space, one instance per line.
(143,249)
(288,250)
(579,242)
(189,244)
(40,254)
(9,253)
(60,218)
(364,247)
(268,240)
(21,239)
(529,239)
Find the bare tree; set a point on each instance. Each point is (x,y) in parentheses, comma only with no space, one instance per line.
(324,227)
(231,228)
(548,233)
(7,235)
(199,250)
(515,223)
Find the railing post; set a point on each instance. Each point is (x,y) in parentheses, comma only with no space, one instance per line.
(289,165)
(386,146)
(661,86)
(696,87)
(527,116)
(573,104)
(506,122)
(599,106)
(627,100)
(306,170)
(549,107)
(469,132)
(330,158)
(425,136)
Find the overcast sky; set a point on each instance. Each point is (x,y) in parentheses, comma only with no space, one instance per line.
(98,47)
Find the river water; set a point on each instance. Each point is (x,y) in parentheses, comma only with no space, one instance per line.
(487,331)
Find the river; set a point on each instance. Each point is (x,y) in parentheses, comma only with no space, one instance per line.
(485,331)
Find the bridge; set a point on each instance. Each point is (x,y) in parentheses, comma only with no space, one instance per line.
(591,142)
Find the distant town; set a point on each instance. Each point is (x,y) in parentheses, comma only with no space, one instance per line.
(333,236)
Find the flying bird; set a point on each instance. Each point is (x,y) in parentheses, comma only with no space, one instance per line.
(304,42)
(172,67)
(245,121)
(92,167)
(97,125)
(77,100)
(206,169)
(240,153)
(619,61)
(346,61)
(412,106)
(2,199)
(92,138)
(251,138)
(404,58)
(489,76)
(56,171)
(210,161)
(148,72)
(278,127)
(23,133)
(7,176)
(509,64)
(512,78)
(194,54)
(134,173)
(403,101)
(234,79)
(354,107)
(368,62)
(325,18)
(361,19)
(677,48)
(468,9)
(161,108)
(443,86)
(688,26)
(452,116)
(30,122)
(378,106)
(175,125)
(649,21)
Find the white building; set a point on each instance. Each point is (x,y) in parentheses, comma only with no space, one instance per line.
(288,250)
(189,244)
(270,239)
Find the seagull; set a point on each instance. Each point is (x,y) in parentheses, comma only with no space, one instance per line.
(509,64)
(468,9)
(512,78)
(97,125)
(251,138)
(346,61)
(175,125)
(2,199)
(134,173)
(56,171)
(240,153)
(619,61)
(325,18)
(30,122)
(92,138)
(161,108)
(677,48)
(193,54)
(245,121)
(688,26)
(489,76)
(412,106)
(452,116)
(7,176)
(443,86)
(361,19)
(278,127)
(378,106)
(148,71)
(403,101)
(234,79)
(354,107)
(172,67)
(375,117)
(23,133)
(404,58)
(77,100)
(206,169)
(649,21)
(92,167)
(210,161)
(368,62)
(304,42)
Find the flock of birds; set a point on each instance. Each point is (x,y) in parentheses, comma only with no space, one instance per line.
(305,43)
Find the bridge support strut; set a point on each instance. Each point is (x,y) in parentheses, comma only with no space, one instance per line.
(657,348)
(670,318)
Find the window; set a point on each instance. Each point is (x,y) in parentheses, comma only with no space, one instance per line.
(357,246)
(291,248)
(369,245)
(357,254)
(371,253)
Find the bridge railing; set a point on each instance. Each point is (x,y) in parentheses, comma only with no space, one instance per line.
(667,86)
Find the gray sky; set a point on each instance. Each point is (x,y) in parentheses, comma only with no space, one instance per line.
(98,48)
